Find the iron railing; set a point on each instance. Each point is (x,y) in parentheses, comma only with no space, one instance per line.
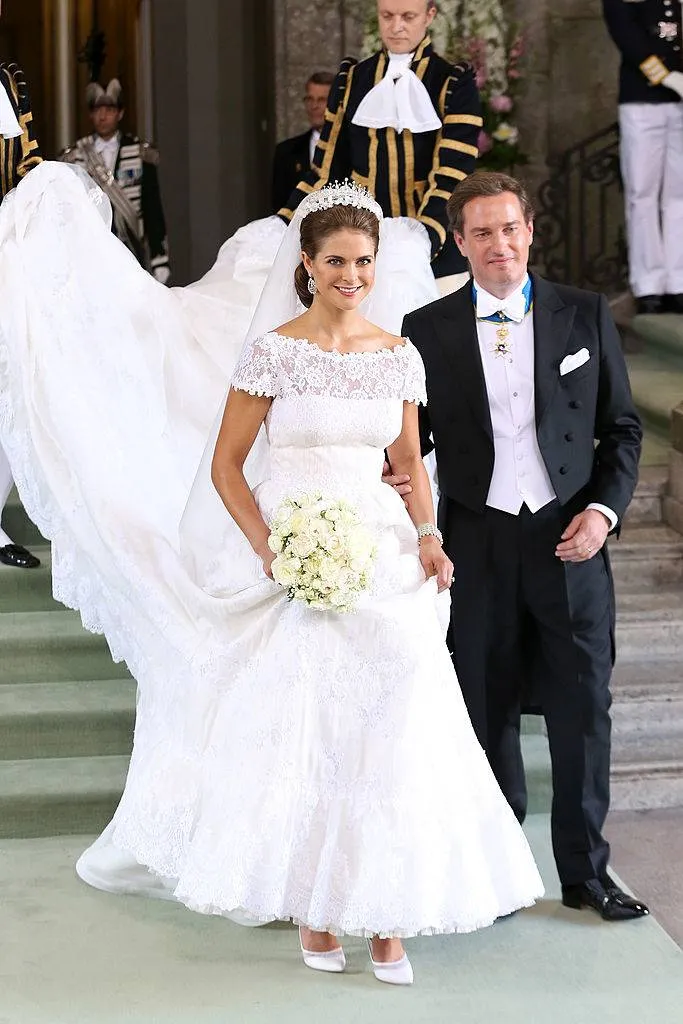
(579,228)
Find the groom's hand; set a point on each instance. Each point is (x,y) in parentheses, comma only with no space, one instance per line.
(400,483)
(584,536)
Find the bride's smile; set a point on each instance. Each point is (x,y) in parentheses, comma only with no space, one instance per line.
(343,269)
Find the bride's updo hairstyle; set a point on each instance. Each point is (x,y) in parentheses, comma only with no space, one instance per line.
(318,225)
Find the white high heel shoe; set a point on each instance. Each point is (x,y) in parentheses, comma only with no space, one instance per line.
(395,972)
(333,961)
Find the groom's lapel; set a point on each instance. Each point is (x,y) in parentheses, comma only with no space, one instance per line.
(456,329)
(553,322)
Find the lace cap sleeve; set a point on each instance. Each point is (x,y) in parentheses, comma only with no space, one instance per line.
(414,384)
(258,368)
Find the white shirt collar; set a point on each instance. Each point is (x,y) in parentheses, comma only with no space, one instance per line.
(112,143)
(514,306)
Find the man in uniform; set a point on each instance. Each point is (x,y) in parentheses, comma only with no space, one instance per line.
(18,154)
(293,157)
(648,34)
(125,167)
(405,124)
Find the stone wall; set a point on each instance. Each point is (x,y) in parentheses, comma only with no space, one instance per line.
(310,35)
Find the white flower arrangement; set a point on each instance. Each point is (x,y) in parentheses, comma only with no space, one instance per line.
(324,554)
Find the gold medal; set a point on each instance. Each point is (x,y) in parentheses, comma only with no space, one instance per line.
(502,347)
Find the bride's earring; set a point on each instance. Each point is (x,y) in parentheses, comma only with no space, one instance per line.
(312,286)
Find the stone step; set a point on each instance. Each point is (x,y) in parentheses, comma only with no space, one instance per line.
(28,590)
(67,719)
(646,505)
(646,554)
(59,796)
(663,337)
(17,524)
(41,647)
(657,388)
(650,625)
(639,784)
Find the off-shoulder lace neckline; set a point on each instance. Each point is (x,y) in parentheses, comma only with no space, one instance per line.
(386,350)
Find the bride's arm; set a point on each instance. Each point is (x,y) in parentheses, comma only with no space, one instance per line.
(405,459)
(244,414)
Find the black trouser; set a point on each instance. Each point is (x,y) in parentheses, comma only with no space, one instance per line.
(528,628)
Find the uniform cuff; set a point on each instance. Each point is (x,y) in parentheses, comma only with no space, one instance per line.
(654,69)
(612,516)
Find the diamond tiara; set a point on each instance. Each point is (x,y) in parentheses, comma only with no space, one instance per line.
(341,193)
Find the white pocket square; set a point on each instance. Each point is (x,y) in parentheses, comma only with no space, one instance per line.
(574,361)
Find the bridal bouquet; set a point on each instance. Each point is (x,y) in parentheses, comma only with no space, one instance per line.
(324,553)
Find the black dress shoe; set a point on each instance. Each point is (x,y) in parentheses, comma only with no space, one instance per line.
(673,303)
(611,902)
(20,558)
(648,305)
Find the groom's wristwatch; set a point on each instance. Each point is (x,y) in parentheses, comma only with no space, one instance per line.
(429,530)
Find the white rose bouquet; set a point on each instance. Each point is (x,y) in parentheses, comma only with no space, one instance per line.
(324,554)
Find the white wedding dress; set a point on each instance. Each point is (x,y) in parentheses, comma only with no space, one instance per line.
(287,762)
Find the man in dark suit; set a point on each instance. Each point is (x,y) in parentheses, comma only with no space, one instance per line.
(293,157)
(18,154)
(537,444)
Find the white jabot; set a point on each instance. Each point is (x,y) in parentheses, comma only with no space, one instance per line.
(9,126)
(514,306)
(315,136)
(108,149)
(399,101)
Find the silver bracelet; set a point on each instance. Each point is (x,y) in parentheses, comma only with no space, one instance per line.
(429,530)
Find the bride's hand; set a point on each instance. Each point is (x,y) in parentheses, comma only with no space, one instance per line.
(267,558)
(436,562)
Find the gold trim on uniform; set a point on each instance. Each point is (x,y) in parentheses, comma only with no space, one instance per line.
(459,147)
(392,156)
(440,193)
(372,160)
(452,172)
(474,119)
(439,228)
(654,69)
(409,155)
(334,134)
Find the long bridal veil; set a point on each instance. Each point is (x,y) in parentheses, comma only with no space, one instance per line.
(110,386)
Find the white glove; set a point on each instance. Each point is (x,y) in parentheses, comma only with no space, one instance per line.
(674,80)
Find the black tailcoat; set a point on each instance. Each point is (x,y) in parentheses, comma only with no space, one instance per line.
(525,625)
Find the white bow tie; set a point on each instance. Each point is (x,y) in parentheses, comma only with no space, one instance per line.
(513,307)
(9,126)
(399,101)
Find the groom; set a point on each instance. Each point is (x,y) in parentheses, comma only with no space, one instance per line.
(537,444)
(18,154)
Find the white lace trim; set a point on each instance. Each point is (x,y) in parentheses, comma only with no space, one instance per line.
(277,365)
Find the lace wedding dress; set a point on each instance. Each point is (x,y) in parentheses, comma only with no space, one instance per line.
(287,762)
(339,782)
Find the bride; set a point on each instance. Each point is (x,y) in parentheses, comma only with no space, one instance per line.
(289,762)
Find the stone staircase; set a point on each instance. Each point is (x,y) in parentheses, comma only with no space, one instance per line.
(647,759)
(66,711)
